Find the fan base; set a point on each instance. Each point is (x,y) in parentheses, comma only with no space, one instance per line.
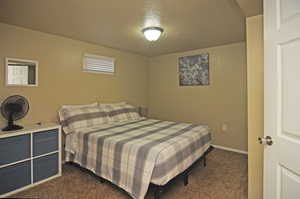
(12,127)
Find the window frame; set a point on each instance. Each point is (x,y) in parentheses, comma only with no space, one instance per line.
(89,55)
(36,63)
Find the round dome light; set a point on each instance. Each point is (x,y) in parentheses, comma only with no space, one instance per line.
(152,33)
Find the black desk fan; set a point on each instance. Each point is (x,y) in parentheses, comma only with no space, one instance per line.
(14,108)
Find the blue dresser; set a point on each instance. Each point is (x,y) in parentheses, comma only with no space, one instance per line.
(29,157)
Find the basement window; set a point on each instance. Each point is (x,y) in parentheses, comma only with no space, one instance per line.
(98,64)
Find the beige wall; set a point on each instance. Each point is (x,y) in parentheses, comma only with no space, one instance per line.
(223,101)
(255,104)
(61,80)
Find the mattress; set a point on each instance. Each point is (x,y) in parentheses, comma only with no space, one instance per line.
(133,154)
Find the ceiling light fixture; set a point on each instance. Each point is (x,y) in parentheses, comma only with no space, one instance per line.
(152,33)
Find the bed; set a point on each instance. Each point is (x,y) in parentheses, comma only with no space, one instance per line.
(134,153)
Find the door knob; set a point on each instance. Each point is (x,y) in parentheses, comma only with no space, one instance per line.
(265,140)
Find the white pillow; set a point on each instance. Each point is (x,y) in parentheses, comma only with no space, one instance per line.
(76,118)
(112,104)
(120,111)
(79,106)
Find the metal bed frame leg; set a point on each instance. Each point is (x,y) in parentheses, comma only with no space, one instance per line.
(185,178)
(157,191)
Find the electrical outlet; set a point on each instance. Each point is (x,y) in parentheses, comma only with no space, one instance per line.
(224,127)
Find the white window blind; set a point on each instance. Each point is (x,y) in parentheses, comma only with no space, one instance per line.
(98,64)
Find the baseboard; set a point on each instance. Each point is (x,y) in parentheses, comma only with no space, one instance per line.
(230,149)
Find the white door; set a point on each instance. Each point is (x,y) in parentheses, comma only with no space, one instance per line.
(282,99)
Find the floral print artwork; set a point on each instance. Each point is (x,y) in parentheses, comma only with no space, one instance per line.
(194,70)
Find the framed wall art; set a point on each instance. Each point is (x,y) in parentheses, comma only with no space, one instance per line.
(194,70)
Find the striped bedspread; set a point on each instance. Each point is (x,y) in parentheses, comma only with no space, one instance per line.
(134,153)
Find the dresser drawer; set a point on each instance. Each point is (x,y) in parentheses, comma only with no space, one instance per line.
(15,176)
(45,167)
(14,149)
(45,142)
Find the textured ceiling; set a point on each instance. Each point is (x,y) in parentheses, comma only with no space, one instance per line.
(188,24)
